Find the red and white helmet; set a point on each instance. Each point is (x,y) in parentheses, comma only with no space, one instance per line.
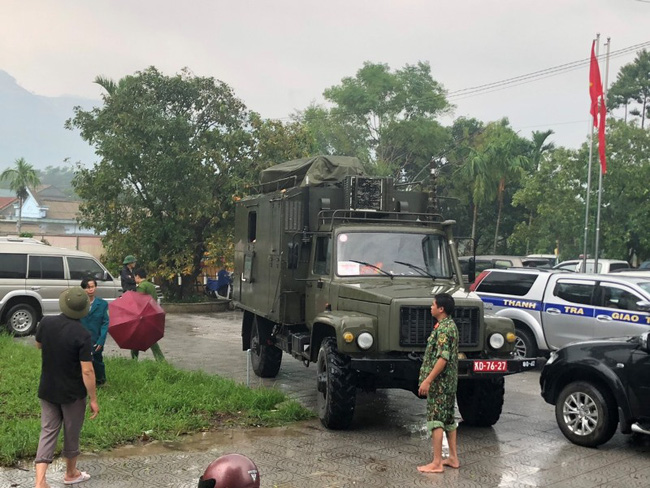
(231,471)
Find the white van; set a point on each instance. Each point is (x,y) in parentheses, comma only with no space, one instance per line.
(33,275)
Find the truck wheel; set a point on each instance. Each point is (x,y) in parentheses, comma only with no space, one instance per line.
(586,414)
(480,400)
(266,358)
(337,391)
(525,346)
(21,319)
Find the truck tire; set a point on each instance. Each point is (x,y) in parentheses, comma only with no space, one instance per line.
(21,320)
(337,391)
(586,414)
(525,346)
(266,358)
(480,400)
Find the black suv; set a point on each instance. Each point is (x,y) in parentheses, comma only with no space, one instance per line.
(596,385)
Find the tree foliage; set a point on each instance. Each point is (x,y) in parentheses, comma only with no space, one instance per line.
(174,152)
(632,87)
(385,118)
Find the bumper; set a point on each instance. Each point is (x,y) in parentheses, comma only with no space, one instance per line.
(409,367)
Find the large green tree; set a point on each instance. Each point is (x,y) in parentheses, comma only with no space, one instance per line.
(174,152)
(387,118)
(500,159)
(632,87)
(20,177)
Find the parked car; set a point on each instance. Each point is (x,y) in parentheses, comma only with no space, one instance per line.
(33,275)
(597,385)
(551,308)
(569,265)
(550,258)
(604,265)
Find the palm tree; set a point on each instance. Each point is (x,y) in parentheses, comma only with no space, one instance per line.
(21,176)
(501,160)
(537,151)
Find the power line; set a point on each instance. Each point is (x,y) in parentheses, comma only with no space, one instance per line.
(529,77)
(537,75)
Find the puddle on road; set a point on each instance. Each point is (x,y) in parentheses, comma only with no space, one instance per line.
(205,441)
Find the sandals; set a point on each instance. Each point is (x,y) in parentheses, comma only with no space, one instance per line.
(83,476)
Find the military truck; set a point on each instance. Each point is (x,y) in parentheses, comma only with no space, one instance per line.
(340,269)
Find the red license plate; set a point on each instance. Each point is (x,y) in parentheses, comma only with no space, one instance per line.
(490,366)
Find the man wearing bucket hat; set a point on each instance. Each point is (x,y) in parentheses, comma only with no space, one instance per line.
(126,275)
(67,378)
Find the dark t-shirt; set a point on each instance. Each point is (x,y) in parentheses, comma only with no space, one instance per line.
(65,342)
(127,279)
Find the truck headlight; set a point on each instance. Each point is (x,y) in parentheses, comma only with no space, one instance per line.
(365,340)
(497,341)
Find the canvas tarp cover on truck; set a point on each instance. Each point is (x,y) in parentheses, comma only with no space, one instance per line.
(310,172)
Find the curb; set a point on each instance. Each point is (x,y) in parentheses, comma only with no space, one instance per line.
(203,307)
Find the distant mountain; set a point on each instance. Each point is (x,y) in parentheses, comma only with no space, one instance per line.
(31,126)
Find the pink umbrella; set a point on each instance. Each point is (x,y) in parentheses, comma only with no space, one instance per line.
(136,321)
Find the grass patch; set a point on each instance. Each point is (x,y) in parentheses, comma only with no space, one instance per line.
(141,397)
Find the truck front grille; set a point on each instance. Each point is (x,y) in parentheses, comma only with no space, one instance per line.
(416,324)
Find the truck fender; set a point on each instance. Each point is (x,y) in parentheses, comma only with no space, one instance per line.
(529,321)
(332,324)
(266,326)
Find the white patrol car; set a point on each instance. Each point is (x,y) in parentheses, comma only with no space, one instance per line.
(551,309)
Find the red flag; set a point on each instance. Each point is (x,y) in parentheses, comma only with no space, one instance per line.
(595,85)
(601,136)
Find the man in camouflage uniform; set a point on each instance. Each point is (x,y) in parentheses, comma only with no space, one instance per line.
(439,381)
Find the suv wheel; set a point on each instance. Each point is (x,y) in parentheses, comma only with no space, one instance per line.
(21,319)
(266,358)
(586,414)
(525,344)
(337,391)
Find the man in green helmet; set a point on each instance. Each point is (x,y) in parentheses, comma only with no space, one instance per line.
(126,275)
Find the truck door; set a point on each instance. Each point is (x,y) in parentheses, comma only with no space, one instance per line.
(318,282)
(617,313)
(568,313)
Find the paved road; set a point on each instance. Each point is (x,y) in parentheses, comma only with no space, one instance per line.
(385,444)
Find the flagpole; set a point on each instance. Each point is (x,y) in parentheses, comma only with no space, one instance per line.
(600,173)
(591,151)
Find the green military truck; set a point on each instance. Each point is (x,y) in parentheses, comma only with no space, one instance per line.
(339,269)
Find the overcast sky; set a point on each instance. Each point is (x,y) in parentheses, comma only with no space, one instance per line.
(280,55)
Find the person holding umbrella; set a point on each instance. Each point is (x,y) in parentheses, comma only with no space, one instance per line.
(146,287)
(67,378)
(96,322)
(126,275)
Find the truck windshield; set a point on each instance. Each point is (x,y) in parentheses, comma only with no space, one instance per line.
(397,254)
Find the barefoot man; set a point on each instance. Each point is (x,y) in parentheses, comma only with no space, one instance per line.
(438,382)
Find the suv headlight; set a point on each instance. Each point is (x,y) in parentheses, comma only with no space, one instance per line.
(497,341)
(365,340)
(552,357)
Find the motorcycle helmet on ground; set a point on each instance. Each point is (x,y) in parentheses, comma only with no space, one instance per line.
(231,471)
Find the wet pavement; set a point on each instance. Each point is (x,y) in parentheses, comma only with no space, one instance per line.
(386,442)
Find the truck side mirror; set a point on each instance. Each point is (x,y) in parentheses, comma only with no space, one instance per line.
(471,270)
(643,305)
(293,254)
